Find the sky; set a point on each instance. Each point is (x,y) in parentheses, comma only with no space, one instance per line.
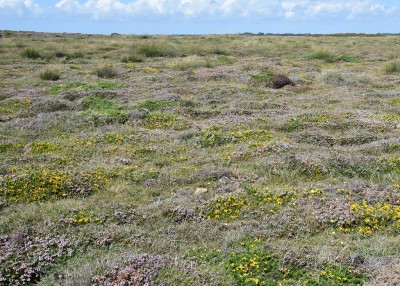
(201,16)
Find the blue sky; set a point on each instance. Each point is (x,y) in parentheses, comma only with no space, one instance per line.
(201,16)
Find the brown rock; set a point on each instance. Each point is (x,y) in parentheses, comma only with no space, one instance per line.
(279,81)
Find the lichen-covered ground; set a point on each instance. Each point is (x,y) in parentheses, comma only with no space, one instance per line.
(171,160)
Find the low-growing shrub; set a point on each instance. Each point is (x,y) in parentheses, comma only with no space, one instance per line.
(103,111)
(165,120)
(330,57)
(153,105)
(43,185)
(153,50)
(31,53)
(191,62)
(393,67)
(50,74)
(26,256)
(106,71)
(334,78)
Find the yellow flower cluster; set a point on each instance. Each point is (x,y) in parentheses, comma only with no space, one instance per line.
(45,185)
(215,136)
(165,121)
(42,147)
(81,217)
(331,275)
(393,164)
(225,208)
(372,217)
(152,70)
(85,143)
(249,135)
(230,207)
(395,101)
(391,117)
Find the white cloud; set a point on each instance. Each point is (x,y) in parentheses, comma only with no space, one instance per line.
(21,7)
(262,9)
(305,9)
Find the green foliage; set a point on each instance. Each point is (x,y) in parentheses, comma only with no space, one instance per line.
(50,74)
(98,103)
(12,106)
(31,53)
(251,265)
(291,124)
(225,59)
(10,147)
(338,275)
(393,67)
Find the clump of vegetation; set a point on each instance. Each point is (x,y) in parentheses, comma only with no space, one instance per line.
(41,185)
(264,76)
(192,62)
(50,74)
(330,57)
(106,71)
(153,50)
(251,264)
(104,111)
(131,58)
(334,78)
(215,136)
(31,53)
(26,256)
(165,120)
(82,86)
(393,67)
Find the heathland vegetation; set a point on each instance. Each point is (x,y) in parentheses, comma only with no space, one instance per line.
(199,160)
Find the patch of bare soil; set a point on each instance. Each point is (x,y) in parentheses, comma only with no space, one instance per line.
(385,274)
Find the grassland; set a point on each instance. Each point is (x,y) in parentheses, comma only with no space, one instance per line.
(127,160)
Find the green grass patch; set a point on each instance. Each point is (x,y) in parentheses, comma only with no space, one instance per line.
(103,111)
(264,76)
(80,86)
(329,57)
(153,105)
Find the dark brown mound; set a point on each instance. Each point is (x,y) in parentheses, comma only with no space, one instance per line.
(280,80)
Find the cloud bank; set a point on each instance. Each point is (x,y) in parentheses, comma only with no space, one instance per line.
(195,9)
